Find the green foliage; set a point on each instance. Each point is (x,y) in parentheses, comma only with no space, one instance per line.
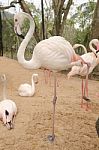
(35,12)
(82,20)
(8,34)
(83,15)
(79,25)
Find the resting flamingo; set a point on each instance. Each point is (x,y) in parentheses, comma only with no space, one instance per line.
(8,108)
(93,59)
(27,89)
(54,54)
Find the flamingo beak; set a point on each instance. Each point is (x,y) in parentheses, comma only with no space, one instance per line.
(9,125)
(18,31)
(36,82)
(20,35)
(97,48)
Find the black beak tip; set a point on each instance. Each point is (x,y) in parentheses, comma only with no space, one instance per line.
(20,35)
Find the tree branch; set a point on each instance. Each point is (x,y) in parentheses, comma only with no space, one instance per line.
(65,12)
(6,7)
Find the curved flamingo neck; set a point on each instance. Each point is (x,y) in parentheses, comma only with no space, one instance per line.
(33,84)
(24,43)
(80,45)
(4,90)
(91,47)
(85,50)
(76,57)
(32,63)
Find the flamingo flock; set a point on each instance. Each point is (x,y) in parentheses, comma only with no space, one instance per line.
(54,54)
(93,59)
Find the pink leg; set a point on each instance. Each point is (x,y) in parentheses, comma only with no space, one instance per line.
(85,96)
(49,76)
(86,87)
(57,82)
(52,137)
(87,103)
(82,88)
(45,77)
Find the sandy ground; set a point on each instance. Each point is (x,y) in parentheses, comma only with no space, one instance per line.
(74,127)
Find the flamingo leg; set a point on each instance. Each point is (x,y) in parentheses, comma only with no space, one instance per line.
(85,96)
(52,137)
(86,87)
(49,76)
(45,76)
(82,89)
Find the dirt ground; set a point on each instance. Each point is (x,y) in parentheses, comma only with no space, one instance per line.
(74,126)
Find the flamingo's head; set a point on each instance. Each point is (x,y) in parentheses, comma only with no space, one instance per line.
(18,21)
(35,78)
(8,119)
(96,43)
(3,77)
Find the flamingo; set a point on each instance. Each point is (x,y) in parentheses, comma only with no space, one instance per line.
(8,108)
(54,54)
(93,59)
(27,89)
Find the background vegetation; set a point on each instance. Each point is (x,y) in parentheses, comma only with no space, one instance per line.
(77,26)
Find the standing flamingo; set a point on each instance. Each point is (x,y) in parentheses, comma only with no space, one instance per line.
(54,54)
(93,59)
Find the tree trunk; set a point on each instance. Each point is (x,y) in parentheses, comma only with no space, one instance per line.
(95,22)
(95,29)
(60,15)
(1,44)
(25,8)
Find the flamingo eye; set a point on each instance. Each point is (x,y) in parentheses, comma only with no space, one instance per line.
(16,20)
